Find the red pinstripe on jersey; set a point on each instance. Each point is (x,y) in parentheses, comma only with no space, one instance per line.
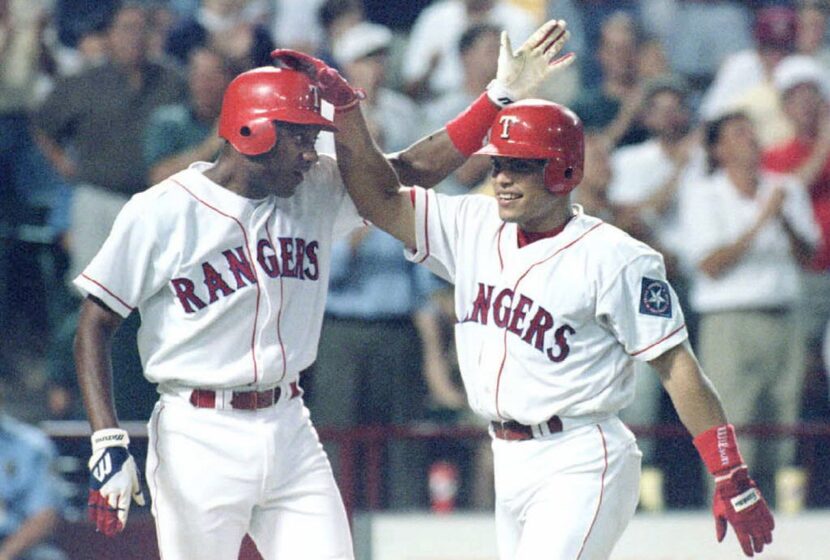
(668,336)
(515,289)
(279,313)
(601,491)
(498,247)
(253,268)
(97,283)
(426,220)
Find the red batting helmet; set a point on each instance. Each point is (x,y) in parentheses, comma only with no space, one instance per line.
(256,98)
(536,129)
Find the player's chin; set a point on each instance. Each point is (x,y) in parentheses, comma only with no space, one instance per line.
(288,186)
(509,214)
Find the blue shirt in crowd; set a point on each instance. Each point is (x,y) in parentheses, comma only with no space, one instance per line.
(376,282)
(28,482)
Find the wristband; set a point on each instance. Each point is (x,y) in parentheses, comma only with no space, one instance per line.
(499,94)
(348,106)
(468,129)
(718,447)
(109,437)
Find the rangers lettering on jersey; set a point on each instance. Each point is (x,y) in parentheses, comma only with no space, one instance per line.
(297,259)
(513,319)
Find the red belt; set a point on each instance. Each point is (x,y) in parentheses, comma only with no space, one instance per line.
(513,431)
(240,400)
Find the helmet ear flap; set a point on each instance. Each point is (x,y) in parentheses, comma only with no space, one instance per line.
(561,180)
(257,136)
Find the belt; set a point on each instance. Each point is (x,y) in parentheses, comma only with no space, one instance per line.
(513,431)
(239,400)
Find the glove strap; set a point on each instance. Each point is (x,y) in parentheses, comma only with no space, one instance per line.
(109,437)
(468,129)
(718,447)
(360,95)
(499,94)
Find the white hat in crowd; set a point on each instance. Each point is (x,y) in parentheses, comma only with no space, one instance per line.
(360,41)
(800,69)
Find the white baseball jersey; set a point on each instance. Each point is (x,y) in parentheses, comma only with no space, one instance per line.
(550,328)
(231,290)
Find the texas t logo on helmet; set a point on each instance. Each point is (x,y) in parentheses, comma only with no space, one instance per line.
(536,129)
(506,121)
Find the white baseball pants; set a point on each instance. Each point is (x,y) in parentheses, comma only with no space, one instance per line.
(567,496)
(215,475)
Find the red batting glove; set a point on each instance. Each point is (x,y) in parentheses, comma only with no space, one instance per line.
(737,498)
(333,87)
(738,501)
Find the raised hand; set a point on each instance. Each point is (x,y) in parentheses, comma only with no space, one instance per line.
(520,73)
(113,481)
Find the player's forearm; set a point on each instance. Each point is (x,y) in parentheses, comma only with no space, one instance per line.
(722,259)
(55,154)
(33,531)
(428,161)
(802,249)
(694,398)
(365,170)
(370,179)
(433,158)
(93,363)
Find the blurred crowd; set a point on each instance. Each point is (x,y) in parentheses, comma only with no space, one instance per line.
(708,137)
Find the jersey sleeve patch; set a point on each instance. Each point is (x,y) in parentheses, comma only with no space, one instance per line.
(655,298)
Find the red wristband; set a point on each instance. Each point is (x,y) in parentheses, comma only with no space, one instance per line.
(718,448)
(468,129)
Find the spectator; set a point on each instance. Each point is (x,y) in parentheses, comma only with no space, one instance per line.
(92,126)
(586,19)
(744,81)
(812,30)
(804,86)
(99,117)
(747,231)
(431,64)
(614,106)
(362,53)
(699,35)
(30,498)
(336,17)
(646,176)
(178,135)
(230,26)
(479,48)
(298,26)
(161,19)
(31,195)
(592,194)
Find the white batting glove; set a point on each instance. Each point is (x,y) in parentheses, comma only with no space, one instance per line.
(520,73)
(113,481)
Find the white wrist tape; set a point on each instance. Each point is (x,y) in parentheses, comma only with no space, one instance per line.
(499,94)
(109,437)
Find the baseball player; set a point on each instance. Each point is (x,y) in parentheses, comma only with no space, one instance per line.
(553,307)
(227,264)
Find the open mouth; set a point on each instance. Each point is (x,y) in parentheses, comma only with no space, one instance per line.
(507,197)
